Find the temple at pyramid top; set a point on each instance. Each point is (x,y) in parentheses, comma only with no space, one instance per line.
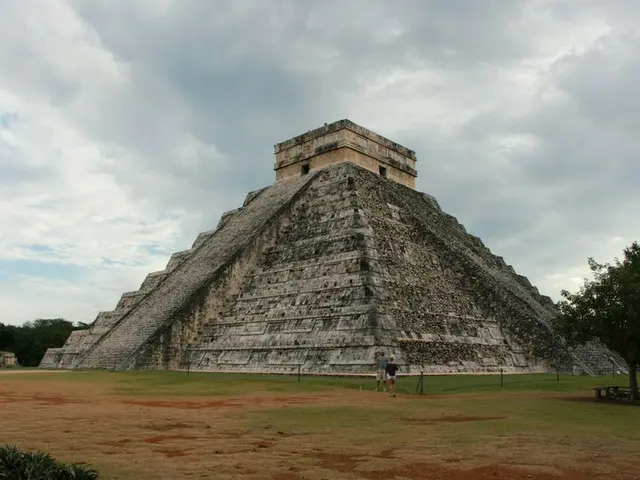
(344,141)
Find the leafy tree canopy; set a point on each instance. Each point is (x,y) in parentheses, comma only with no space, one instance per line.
(607,309)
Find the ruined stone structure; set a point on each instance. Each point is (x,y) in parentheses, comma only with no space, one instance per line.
(8,359)
(340,142)
(338,259)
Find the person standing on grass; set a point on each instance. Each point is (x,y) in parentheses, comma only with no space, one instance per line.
(381,374)
(391,370)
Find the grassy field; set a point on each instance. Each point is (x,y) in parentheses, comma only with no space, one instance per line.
(170,425)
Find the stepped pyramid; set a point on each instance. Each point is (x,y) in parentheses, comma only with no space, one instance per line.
(340,258)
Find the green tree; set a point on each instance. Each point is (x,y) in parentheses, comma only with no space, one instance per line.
(31,340)
(7,341)
(607,309)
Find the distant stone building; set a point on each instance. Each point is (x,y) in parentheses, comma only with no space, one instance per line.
(8,359)
(338,259)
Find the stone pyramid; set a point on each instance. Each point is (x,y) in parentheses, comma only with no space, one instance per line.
(339,259)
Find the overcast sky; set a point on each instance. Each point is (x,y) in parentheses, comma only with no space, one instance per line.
(128,126)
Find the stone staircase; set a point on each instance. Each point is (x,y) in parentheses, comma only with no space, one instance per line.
(595,359)
(144,313)
(81,343)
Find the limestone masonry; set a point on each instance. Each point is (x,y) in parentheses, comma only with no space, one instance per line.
(340,142)
(339,259)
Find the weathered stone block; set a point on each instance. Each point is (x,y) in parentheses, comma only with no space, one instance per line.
(177,259)
(152,280)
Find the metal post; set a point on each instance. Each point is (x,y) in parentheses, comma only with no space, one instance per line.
(421,383)
(298,373)
(501,379)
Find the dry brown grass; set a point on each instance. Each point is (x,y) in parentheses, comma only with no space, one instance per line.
(265,435)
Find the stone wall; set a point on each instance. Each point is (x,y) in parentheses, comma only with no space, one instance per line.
(328,129)
(345,141)
(342,155)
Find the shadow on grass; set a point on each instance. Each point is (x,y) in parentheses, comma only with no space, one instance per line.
(593,400)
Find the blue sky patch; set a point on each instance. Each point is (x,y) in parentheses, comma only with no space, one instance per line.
(153,249)
(108,262)
(39,248)
(8,118)
(34,268)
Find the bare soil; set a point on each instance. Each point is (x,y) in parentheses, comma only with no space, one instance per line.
(138,438)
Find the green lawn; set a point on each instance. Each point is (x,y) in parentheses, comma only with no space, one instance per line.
(176,383)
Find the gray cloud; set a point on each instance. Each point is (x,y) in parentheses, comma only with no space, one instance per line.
(274,69)
(522,113)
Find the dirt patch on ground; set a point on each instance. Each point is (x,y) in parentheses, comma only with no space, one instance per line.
(339,462)
(357,464)
(483,396)
(386,453)
(264,401)
(421,471)
(50,400)
(10,397)
(165,427)
(287,476)
(447,419)
(263,444)
(143,438)
(117,444)
(172,453)
(20,371)
(164,438)
(193,405)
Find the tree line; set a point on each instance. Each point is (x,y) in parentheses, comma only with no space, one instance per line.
(31,340)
